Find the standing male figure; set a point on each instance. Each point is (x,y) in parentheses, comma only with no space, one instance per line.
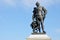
(39,13)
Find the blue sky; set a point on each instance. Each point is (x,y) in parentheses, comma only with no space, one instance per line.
(15,18)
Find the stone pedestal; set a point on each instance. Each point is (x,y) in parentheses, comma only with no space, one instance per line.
(38,37)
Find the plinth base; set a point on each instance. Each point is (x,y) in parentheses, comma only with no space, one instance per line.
(38,37)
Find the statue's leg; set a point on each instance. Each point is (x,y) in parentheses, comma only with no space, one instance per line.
(39,28)
(38,22)
(42,25)
(33,30)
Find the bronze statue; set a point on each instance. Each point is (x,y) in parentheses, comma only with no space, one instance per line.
(38,17)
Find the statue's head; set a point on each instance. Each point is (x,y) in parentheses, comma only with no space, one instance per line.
(37,4)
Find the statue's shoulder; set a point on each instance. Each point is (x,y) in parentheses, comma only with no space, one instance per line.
(35,7)
(43,8)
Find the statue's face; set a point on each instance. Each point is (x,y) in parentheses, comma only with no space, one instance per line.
(37,4)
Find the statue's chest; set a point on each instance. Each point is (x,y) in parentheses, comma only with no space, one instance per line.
(39,8)
(40,11)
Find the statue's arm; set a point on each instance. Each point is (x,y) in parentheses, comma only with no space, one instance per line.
(34,12)
(33,15)
(45,11)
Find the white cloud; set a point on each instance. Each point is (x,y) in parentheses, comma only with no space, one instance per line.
(10,2)
(57,30)
(29,3)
